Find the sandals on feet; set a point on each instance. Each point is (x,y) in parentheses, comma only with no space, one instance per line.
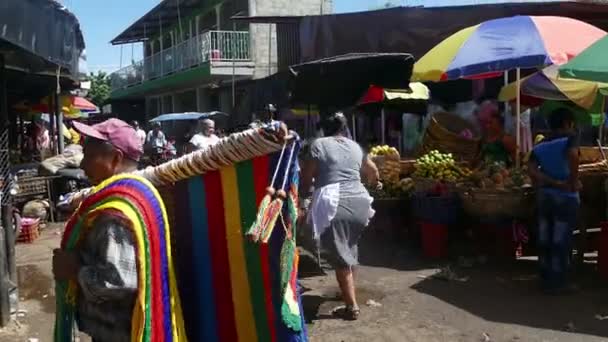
(352,313)
(349,312)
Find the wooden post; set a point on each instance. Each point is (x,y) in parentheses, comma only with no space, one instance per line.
(506,82)
(5,308)
(7,221)
(269,49)
(21,133)
(52,131)
(59,123)
(6,213)
(518,119)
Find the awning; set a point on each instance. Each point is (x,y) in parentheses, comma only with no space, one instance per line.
(339,81)
(416,92)
(72,107)
(186,116)
(46,31)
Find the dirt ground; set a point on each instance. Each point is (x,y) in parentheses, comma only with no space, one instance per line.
(402,299)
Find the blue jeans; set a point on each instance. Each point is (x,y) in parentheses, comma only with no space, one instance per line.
(558,215)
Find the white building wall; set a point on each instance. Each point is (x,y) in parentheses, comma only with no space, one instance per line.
(266,64)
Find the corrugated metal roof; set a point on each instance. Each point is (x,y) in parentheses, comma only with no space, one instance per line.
(165,14)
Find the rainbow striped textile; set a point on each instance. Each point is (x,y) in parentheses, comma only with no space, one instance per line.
(233,289)
(157,315)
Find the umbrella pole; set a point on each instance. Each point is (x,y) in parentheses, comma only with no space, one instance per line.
(517,119)
(506,80)
(382,126)
(600,129)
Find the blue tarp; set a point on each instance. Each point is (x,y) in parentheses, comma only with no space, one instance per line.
(186,116)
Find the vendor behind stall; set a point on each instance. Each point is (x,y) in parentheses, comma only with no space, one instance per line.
(497,146)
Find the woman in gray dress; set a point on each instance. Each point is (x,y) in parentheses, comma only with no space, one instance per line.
(341,205)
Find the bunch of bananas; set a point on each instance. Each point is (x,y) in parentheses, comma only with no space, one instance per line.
(406,185)
(440,166)
(384,151)
(390,171)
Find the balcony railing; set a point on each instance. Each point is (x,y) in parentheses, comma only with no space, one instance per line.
(216,46)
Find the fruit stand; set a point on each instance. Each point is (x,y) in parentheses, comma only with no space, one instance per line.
(391,202)
(434,201)
(446,191)
(593,173)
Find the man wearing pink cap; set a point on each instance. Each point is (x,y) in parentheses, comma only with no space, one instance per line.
(104,263)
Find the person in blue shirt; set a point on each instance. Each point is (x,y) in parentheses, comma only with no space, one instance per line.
(553,167)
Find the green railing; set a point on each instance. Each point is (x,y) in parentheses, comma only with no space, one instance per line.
(211,46)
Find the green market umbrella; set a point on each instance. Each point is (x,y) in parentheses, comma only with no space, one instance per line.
(589,65)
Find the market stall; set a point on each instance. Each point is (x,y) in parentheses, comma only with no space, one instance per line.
(495,196)
(586,100)
(378,102)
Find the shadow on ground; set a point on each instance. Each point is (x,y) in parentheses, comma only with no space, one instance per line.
(510,294)
(36,285)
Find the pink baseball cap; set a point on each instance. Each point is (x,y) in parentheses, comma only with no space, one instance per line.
(116,132)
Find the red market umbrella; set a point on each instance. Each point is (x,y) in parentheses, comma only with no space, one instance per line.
(83,104)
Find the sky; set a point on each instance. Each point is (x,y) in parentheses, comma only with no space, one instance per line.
(102,20)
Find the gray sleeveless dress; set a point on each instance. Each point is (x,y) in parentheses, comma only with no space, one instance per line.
(339,160)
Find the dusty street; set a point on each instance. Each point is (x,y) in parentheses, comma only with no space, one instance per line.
(401,301)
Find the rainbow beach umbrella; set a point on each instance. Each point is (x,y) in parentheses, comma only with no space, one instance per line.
(589,65)
(546,85)
(495,46)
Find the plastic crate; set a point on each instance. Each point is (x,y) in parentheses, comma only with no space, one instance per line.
(434,239)
(436,209)
(30,230)
(32,186)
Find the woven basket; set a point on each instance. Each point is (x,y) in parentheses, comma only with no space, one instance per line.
(591,154)
(443,134)
(425,185)
(407,167)
(497,204)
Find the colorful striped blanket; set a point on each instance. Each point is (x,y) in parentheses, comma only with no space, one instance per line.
(233,289)
(157,315)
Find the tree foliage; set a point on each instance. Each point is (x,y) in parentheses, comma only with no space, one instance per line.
(100,88)
(387,4)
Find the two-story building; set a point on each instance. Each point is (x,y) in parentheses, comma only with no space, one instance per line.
(195,56)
